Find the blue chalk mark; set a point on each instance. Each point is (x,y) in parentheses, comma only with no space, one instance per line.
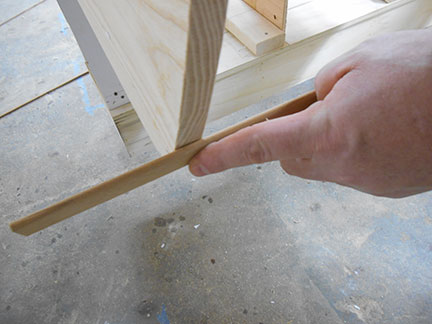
(90,109)
(77,67)
(163,317)
(85,98)
(63,23)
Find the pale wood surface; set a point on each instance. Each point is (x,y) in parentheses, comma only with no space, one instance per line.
(305,19)
(166,75)
(310,17)
(253,30)
(259,78)
(143,174)
(274,10)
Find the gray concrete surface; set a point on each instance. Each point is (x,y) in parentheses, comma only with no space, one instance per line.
(250,245)
(33,45)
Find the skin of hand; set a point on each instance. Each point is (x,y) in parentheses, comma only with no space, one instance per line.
(371,128)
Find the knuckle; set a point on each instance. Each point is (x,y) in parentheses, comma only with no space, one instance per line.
(257,150)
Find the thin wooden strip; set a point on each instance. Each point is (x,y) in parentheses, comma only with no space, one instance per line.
(22,12)
(44,93)
(143,174)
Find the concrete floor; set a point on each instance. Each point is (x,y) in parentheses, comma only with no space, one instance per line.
(250,245)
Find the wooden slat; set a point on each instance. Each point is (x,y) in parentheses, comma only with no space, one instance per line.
(258,34)
(143,174)
(165,54)
(270,74)
(274,10)
(237,87)
(206,27)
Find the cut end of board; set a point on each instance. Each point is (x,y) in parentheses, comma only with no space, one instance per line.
(16,227)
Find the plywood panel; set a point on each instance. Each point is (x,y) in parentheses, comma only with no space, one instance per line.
(165,54)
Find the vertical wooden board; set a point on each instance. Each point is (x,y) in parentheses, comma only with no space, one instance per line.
(145,41)
(206,28)
(165,54)
(274,10)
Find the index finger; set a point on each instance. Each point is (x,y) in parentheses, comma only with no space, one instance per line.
(282,138)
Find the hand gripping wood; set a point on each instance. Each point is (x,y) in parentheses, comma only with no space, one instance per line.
(144,174)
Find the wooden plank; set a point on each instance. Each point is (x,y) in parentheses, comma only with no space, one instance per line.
(306,18)
(312,17)
(237,87)
(206,27)
(274,11)
(273,73)
(165,54)
(253,30)
(143,174)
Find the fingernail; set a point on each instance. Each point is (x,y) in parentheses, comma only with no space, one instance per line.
(199,170)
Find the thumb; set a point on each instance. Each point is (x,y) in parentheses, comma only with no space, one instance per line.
(277,139)
(331,73)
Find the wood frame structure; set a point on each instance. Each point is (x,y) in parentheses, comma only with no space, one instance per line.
(166,55)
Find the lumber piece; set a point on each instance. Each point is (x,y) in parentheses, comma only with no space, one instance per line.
(274,11)
(206,27)
(165,54)
(244,79)
(143,174)
(273,73)
(252,29)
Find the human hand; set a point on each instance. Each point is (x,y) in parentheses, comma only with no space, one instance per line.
(371,128)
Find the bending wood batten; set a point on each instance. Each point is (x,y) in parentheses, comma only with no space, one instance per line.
(143,174)
(206,27)
(273,73)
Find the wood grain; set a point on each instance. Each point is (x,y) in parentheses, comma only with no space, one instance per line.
(206,27)
(274,10)
(236,84)
(262,77)
(143,174)
(258,34)
(165,54)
